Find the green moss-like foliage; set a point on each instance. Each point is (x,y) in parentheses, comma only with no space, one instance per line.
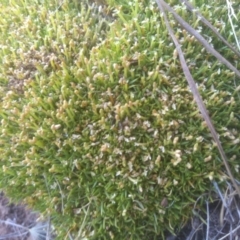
(98,126)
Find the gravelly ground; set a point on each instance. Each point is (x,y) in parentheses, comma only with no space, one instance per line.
(17,222)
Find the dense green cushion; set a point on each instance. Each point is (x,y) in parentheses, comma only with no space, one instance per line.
(98,126)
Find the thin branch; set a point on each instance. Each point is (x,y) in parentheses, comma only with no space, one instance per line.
(234,230)
(208,220)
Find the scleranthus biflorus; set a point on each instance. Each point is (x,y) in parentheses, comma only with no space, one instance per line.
(17,222)
(98,126)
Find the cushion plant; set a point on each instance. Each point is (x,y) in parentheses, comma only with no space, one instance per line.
(98,126)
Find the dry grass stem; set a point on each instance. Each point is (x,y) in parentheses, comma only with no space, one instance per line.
(162,5)
(209,25)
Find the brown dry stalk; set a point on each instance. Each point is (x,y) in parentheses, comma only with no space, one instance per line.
(208,24)
(200,38)
(197,97)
